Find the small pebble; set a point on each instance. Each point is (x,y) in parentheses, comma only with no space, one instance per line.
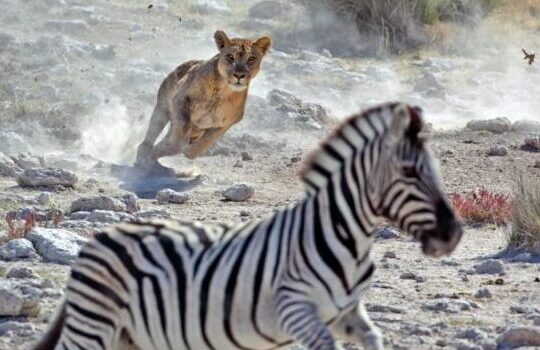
(483,293)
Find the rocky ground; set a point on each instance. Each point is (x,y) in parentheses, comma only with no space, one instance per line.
(76,90)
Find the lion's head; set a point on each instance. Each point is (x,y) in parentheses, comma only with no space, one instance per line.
(240,59)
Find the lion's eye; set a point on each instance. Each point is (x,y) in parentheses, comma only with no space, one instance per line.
(230,58)
(251,59)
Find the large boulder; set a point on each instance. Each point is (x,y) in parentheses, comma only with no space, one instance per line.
(281,109)
(47,177)
(101,202)
(496,125)
(8,167)
(519,337)
(56,245)
(16,249)
(28,161)
(531,143)
(168,195)
(19,299)
(526,125)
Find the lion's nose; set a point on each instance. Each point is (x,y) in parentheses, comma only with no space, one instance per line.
(239,75)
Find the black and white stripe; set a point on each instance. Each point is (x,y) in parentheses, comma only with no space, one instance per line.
(296,277)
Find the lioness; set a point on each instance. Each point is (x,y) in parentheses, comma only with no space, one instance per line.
(201,100)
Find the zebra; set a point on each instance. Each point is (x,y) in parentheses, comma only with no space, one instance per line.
(297,277)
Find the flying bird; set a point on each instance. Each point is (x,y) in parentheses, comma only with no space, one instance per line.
(529,56)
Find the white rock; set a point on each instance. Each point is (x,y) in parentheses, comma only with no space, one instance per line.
(489,267)
(168,195)
(390,255)
(153,214)
(462,344)
(108,216)
(8,167)
(101,202)
(239,192)
(131,201)
(519,337)
(526,125)
(385,309)
(80,215)
(37,177)
(407,276)
(11,302)
(15,327)
(56,245)
(43,198)
(483,293)
(498,151)
(16,249)
(532,143)
(21,272)
(387,233)
(496,125)
(472,334)
(28,161)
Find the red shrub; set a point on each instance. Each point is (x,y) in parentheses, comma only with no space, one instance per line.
(482,206)
(20,228)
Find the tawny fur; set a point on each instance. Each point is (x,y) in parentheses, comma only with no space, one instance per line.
(202,99)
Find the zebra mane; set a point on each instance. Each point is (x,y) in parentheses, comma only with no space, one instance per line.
(348,139)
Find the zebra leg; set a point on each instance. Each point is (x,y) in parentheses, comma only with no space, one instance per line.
(357,327)
(302,322)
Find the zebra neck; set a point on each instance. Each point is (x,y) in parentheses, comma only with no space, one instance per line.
(344,220)
(346,154)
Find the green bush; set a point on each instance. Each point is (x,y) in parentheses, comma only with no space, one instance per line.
(525,231)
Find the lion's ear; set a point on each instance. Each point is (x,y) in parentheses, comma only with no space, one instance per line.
(222,40)
(263,44)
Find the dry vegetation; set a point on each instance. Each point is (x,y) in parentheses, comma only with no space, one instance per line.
(402,24)
(525,233)
(19,228)
(483,207)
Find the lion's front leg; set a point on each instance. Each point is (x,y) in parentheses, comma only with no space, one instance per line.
(357,327)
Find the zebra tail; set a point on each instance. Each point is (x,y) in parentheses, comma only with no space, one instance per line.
(51,336)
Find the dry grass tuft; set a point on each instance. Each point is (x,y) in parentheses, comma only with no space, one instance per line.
(19,228)
(483,207)
(525,233)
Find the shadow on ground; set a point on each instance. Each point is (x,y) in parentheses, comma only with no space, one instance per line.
(146,186)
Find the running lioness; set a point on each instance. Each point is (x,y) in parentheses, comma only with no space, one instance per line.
(201,100)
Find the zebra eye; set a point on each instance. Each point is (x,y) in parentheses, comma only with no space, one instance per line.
(410,171)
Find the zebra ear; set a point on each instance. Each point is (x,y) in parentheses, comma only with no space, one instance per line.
(400,124)
(406,122)
(416,124)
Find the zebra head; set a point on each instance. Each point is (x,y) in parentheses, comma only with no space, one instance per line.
(406,187)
